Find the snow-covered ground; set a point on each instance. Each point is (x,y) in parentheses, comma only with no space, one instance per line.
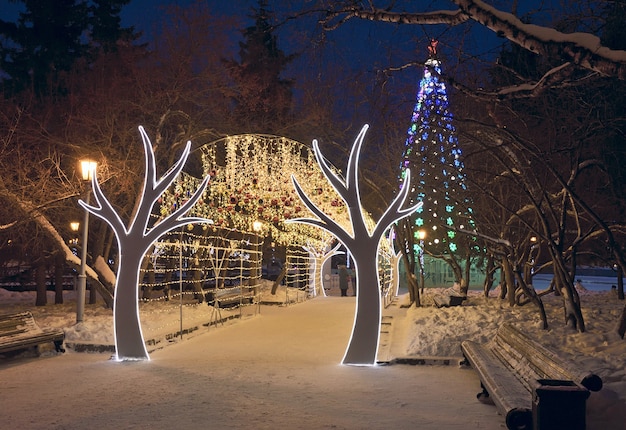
(277,367)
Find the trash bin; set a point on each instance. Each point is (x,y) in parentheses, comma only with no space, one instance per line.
(559,405)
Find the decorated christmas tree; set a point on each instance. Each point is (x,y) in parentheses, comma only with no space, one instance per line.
(433,155)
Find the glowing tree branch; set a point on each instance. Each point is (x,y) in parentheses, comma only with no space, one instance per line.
(363,247)
(134,242)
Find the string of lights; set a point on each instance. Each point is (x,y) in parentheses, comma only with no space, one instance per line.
(250,196)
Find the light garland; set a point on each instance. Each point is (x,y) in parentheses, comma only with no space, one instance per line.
(432,152)
(253,183)
(250,181)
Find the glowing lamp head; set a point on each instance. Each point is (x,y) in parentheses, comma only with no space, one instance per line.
(421,234)
(88,168)
(257,226)
(74,226)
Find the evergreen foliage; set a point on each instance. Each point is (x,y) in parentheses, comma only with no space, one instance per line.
(434,156)
(262,97)
(50,36)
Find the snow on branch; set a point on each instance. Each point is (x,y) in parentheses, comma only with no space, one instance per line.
(583,49)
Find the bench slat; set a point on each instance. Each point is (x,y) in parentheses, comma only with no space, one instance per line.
(20,330)
(509,395)
(509,367)
(532,361)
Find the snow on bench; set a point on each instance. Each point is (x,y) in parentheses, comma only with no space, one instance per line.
(230,297)
(446,301)
(511,366)
(20,331)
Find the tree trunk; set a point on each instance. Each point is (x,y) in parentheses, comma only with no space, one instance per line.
(167,279)
(503,286)
(363,345)
(59,266)
(406,245)
(621,327)
(412,284)
(40,282)
(468,267)
(509,280)
(128,336)
(197,282)
(620,282)
(488,275)
(534,298)
(571,300)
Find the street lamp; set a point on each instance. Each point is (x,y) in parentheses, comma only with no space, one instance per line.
(88,168)
(74,226)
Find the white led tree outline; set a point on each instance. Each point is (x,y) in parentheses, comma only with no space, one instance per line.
(362,245)
(318,257)
(135,240)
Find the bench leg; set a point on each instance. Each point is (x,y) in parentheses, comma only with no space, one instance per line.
(483,396)
(58,346)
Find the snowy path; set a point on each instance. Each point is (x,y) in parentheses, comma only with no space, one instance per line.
(277,370)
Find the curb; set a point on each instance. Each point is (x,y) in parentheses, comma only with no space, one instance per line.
(427,361)
(151,344)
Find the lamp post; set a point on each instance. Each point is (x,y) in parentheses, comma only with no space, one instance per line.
(87,168)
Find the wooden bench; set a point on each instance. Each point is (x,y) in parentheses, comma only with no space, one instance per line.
(445,301)
(231,297)
(20,331)
(510,367)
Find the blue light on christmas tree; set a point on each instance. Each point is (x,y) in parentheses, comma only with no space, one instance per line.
(434,156)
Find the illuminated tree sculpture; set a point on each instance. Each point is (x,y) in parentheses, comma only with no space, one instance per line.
(363,246)
(134,241)
(318,258)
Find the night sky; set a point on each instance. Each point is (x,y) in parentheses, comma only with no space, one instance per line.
(361,46)
(358,44)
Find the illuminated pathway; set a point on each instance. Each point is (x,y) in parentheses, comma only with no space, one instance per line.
(277,370)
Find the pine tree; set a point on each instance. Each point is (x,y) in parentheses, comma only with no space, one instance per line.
(434,157)
(50,36)
(263,98)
